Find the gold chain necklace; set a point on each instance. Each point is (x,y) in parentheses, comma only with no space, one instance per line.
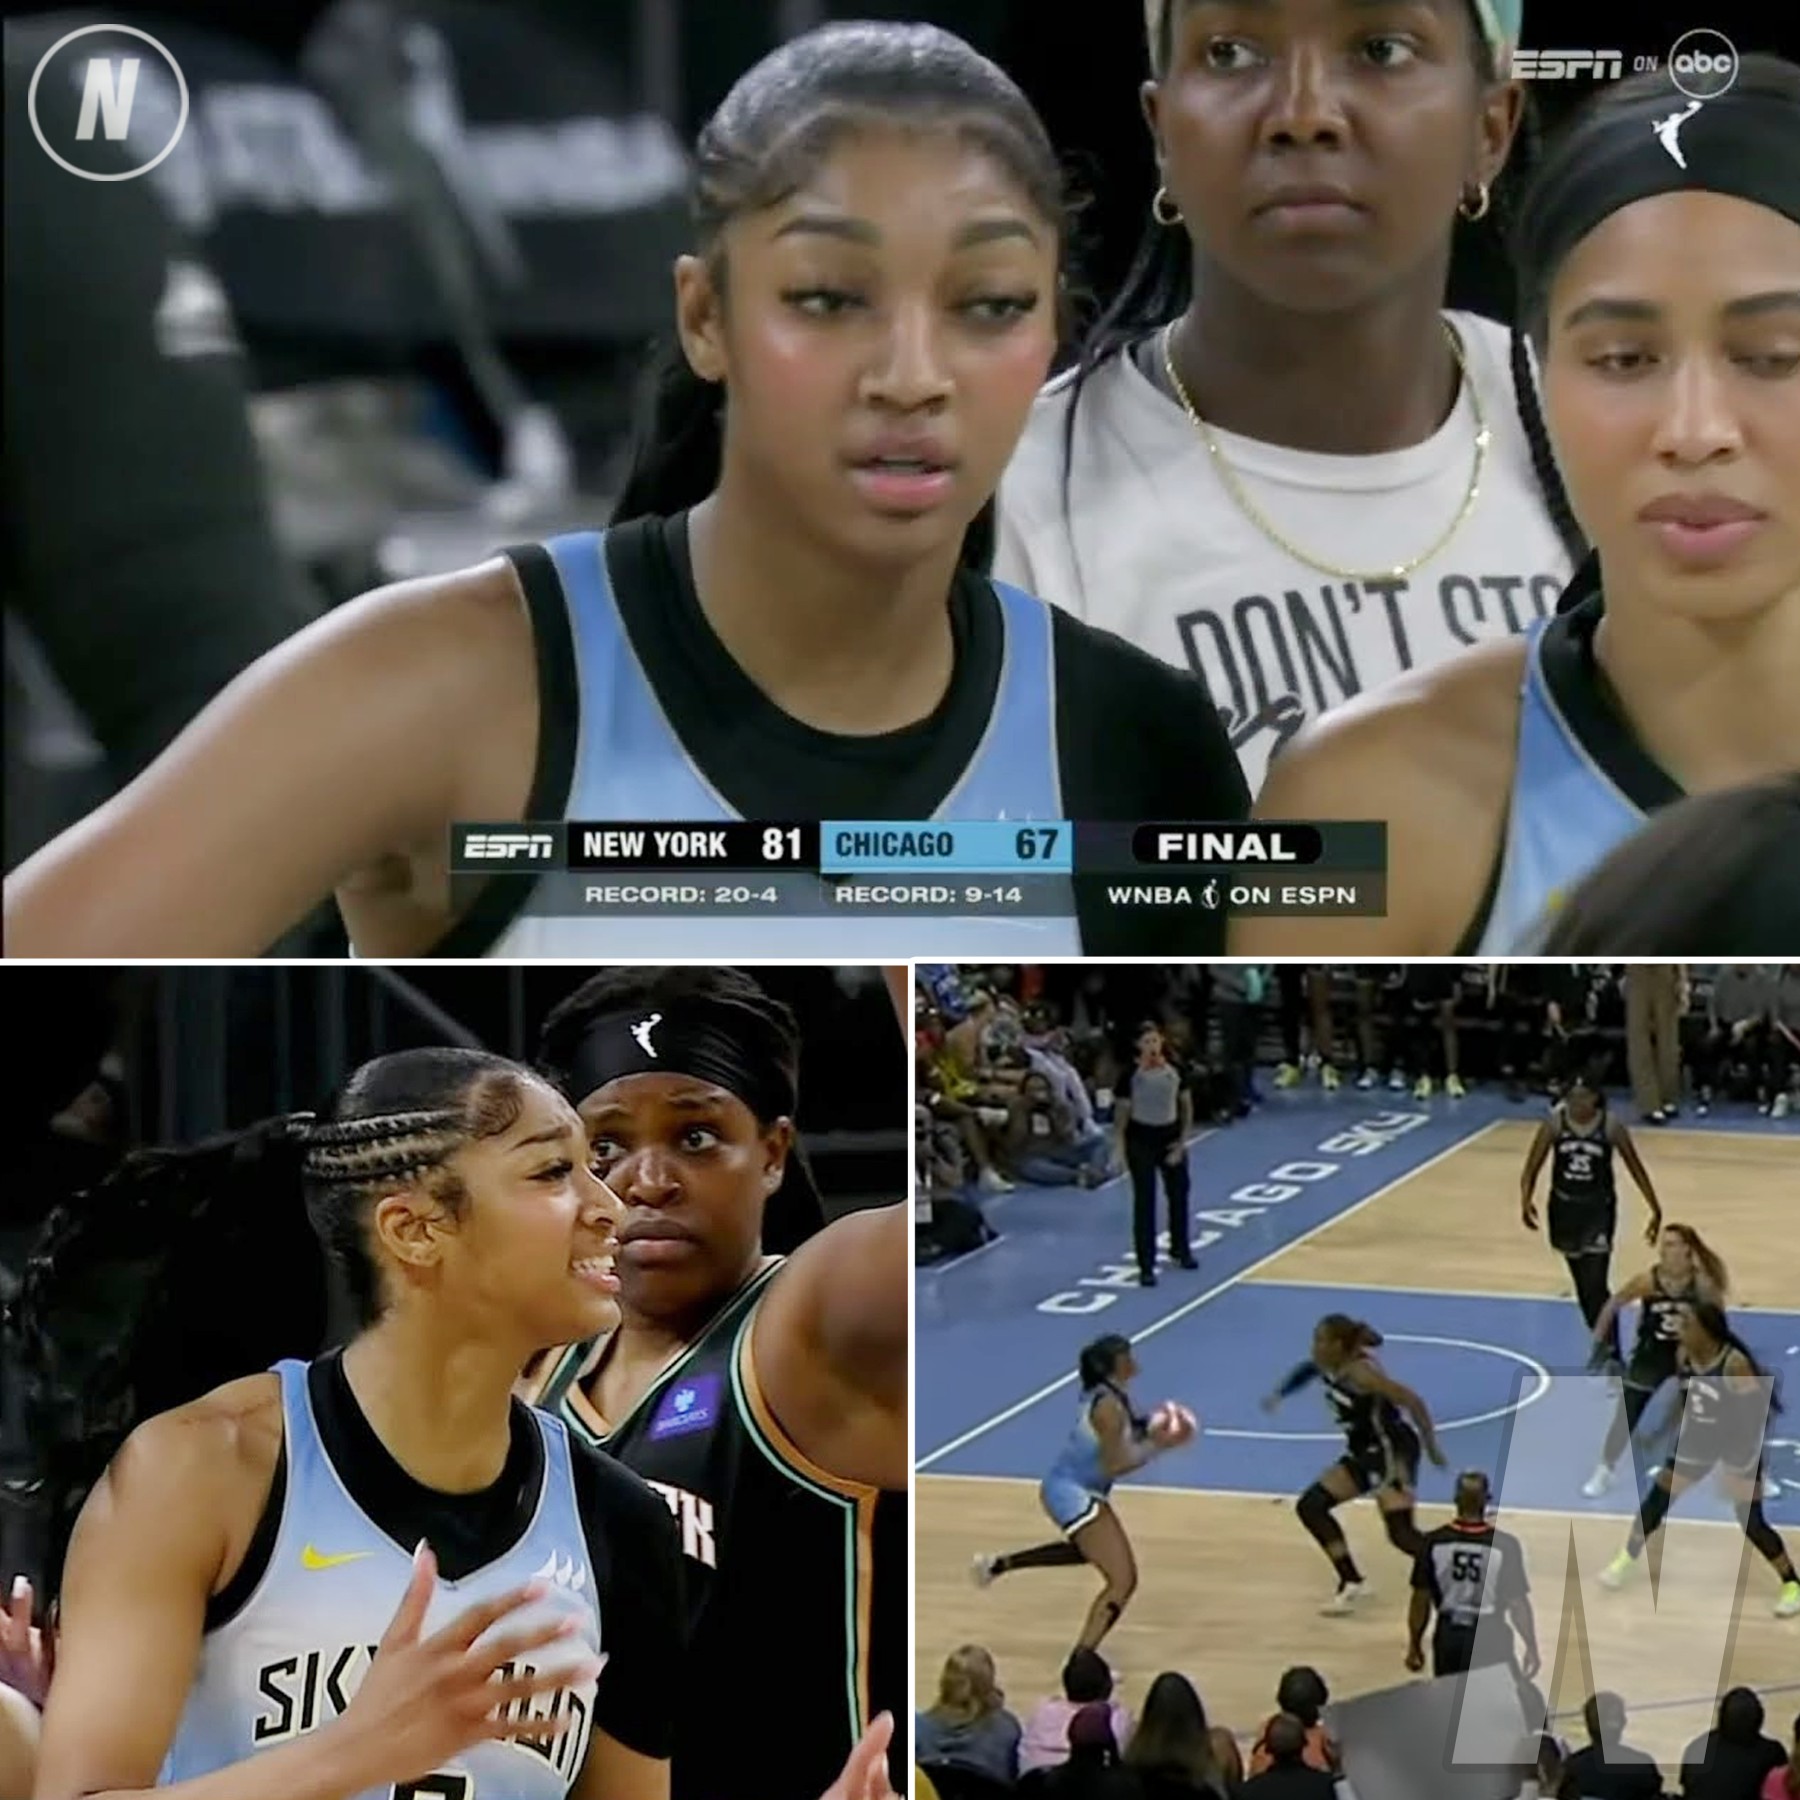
(1251,511)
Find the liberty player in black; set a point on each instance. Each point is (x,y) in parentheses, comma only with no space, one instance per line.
(1579,1139)
(1687,1271)
(762,1395)
(1381,1453)
(1729,1399)
(1472,1576)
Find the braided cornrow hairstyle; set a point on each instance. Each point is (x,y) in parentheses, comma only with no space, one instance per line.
(1160,284)
(763,1027)
(188,1268)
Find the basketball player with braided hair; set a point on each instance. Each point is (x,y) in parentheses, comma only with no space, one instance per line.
(1658,261)
(758,1374)
(1282,460)
(1728,1399)
(375,1571)
(1381,1450)
(1110,1439)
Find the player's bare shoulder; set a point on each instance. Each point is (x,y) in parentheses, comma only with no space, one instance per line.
(1430,754)
(229,1435)
(1443,736)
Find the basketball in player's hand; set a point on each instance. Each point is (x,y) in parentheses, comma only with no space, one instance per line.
(1172,1424)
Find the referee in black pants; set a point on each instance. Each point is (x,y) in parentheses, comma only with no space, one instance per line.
(1473,1577)
(1154,1118)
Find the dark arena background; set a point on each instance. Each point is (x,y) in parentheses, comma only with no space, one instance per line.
(1357,1140)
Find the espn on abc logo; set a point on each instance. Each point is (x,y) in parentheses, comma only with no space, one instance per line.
(1703,63)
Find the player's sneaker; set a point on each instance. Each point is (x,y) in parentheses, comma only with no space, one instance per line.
(1329,1079)
(1343,1602)
(1618,1571)
(1422,1088)
(1788,1606)
(991,1181)
(1287,1076)
(983,1570)
(1368,1079)
(1780,1107)
(1598,1483)
(1453,1086)
(1397,1083)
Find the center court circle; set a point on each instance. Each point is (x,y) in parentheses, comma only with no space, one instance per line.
(1541,1379)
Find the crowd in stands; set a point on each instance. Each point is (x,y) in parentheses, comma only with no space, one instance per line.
(1017,1065)
(1083,1744)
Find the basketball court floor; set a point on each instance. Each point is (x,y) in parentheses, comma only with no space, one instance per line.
(1406,1214)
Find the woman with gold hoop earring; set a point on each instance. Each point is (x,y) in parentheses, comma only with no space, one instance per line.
(1281,462)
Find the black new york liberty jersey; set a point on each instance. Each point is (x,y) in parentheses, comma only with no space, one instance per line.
(1720,1424)
(1584,1201)
(1655,1355)
(1381,1448)
(796,1580)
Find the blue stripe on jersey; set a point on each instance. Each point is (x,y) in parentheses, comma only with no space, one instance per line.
(1566,815)
(293,1657)
(630,766)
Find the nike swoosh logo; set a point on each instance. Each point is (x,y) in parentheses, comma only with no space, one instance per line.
(314,1559)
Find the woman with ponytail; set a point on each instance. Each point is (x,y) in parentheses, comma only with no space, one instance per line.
(246,1547)
(1687,1271)
(1729,1399)
(1280,461)
(1381,1448)
(1658,259)
(789,618)
(1109,1440)
(757,1376)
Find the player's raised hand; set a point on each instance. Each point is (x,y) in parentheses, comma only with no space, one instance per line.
(27,1655)
(865,1775)
(426,1699)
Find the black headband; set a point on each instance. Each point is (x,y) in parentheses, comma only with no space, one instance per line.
(1743,144)
(679,1040)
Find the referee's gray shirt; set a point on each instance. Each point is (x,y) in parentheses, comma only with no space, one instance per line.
(1155,1095)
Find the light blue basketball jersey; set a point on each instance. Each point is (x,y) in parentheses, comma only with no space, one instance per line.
(293,1657)
(1079,1459)
(1566,815)
(630,766)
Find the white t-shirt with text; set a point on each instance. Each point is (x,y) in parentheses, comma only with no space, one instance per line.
(1153,546)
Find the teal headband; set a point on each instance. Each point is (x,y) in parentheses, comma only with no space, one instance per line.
(1501,23)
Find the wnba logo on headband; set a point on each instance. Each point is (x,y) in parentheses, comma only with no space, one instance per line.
(642,1030)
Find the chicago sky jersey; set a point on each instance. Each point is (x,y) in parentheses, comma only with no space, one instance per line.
(630,765)
(293,1656)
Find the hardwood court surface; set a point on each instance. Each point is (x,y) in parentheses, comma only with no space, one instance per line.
(1230,1584)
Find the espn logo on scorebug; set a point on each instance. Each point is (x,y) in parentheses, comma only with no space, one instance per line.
(479,847)
(1567,65)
